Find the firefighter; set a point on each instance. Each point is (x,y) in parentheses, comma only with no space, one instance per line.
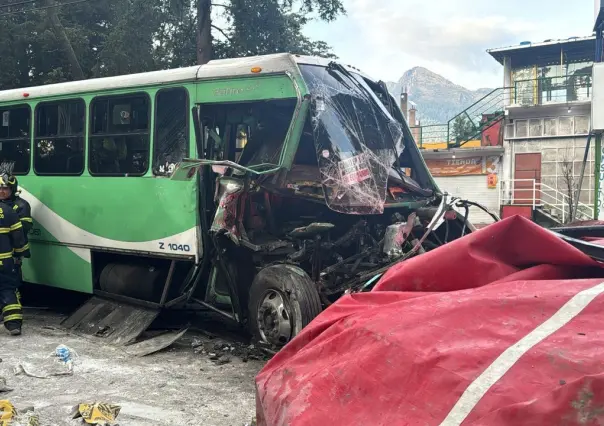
(19,205)
(13,247)
(22,208)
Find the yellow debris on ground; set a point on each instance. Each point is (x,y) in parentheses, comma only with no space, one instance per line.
(96,413)
(7,412)
(9,416)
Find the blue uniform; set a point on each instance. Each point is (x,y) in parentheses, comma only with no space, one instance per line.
(13,244)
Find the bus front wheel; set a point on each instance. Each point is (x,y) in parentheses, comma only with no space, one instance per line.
(282,301)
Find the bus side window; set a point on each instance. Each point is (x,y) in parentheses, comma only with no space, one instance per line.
(171,143)
(119,135)
(15,144)
(59,137)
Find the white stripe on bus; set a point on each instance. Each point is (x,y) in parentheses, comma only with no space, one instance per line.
(479,387)
(66,232)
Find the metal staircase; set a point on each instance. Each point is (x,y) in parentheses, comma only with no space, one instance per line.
(469,123)
(553,205)
(478,117)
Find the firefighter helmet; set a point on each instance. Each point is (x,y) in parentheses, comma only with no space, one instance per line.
(7,179)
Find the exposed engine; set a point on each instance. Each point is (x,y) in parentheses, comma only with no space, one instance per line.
(340,252)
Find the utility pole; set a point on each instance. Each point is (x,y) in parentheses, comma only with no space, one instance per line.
(204,31)
(59,31)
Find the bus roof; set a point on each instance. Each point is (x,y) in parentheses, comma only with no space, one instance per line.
(222,68)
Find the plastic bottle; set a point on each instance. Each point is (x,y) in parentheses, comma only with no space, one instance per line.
(63,353)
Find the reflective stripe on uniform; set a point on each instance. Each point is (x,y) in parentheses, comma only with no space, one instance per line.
(27,219)
(6,255)
(16,226)
(9,307)
(22,249)
(13,317)
(5,230)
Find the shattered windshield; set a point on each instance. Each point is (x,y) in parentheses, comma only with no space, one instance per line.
(357,142)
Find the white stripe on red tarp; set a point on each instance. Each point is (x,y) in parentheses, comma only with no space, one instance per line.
(479,387)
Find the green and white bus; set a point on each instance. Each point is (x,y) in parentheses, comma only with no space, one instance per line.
(262,188)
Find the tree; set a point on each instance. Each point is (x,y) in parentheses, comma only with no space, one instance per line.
(462,130)
(107,37)
(569,186)
(113,37)
(255,27)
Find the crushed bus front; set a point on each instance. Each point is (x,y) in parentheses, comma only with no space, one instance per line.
(286,239)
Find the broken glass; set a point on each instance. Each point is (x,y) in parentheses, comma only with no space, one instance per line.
(251,134)
(356,141)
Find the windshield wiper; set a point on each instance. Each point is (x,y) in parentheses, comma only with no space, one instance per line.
(331,71)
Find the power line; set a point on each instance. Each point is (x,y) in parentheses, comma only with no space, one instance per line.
(18,4)
(42,7)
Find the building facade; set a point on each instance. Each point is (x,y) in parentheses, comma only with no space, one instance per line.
(547,93)
(470,173)
(469,170)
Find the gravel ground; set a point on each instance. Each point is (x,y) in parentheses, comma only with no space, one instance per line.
(186,384)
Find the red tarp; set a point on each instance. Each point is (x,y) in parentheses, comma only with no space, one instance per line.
(503,327)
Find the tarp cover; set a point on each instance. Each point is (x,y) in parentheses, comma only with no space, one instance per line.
(502,327)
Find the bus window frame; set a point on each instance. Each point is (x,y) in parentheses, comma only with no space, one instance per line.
(29,137)
(187,125)
(149,131)
(35,137)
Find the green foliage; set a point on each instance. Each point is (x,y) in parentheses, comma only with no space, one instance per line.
(264,27)
(114,37)
(463,129)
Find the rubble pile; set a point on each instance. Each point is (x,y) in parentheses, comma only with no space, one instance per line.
(222,352)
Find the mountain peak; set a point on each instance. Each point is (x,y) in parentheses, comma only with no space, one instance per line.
(437,99)
(419,70)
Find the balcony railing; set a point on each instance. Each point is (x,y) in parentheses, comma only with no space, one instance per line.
(431,134)
(466,126)
(552,90)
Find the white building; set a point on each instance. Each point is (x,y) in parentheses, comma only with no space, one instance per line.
(547,97)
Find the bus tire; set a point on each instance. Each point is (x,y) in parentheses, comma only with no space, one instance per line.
(282,301)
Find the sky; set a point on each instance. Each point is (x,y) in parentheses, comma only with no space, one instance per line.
(384,38)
